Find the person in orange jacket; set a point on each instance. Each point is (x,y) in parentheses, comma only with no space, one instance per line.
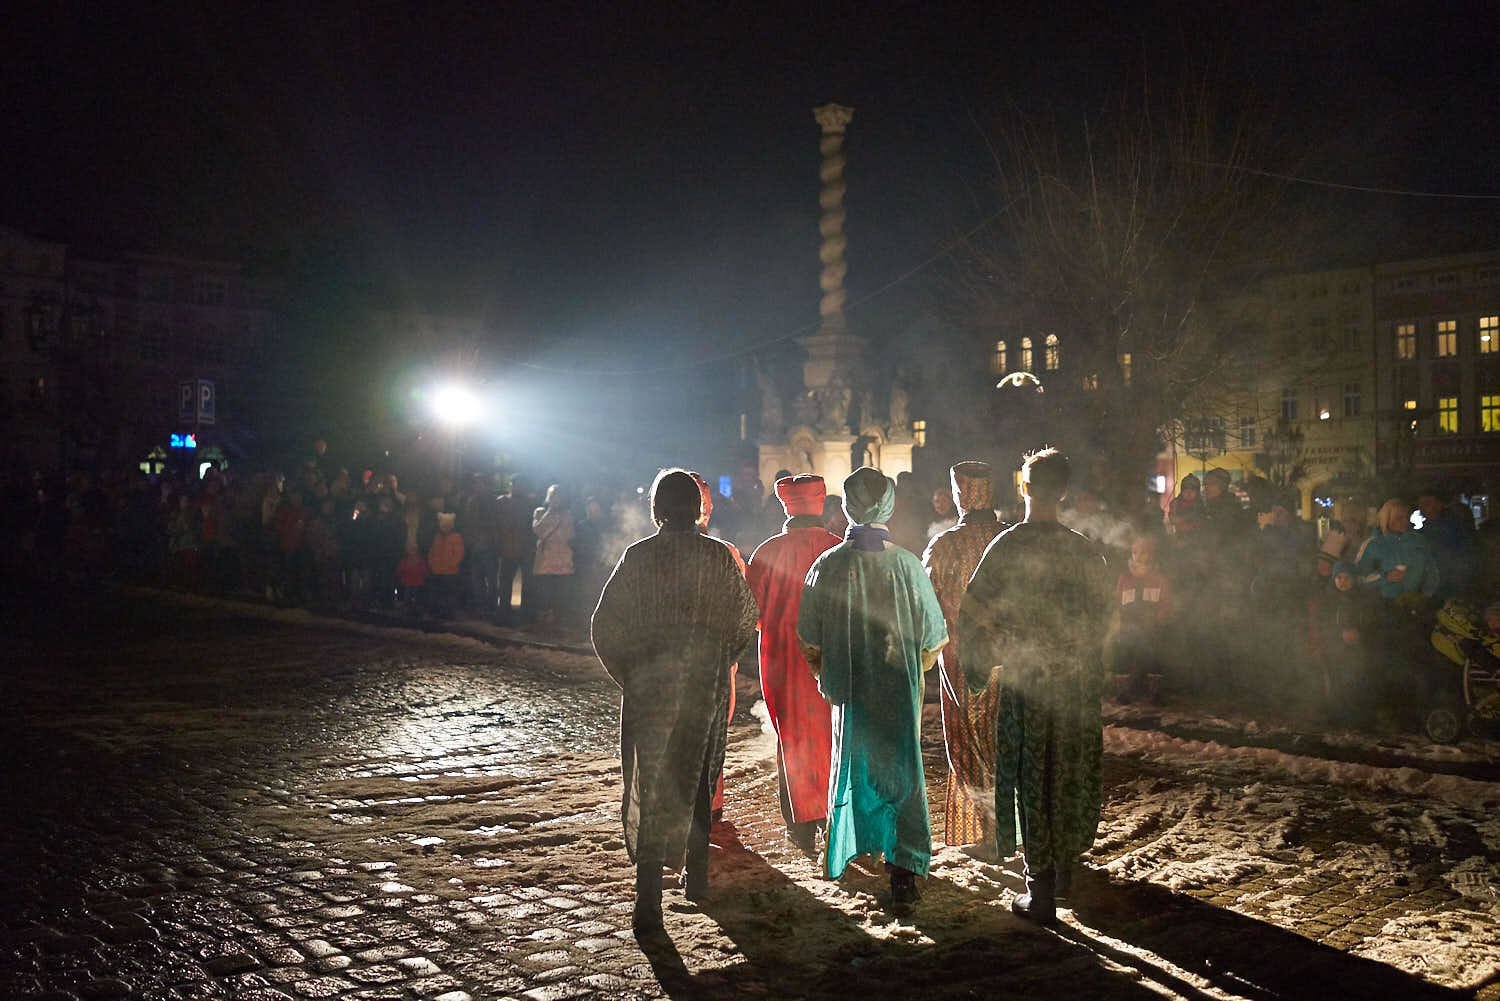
(445,557)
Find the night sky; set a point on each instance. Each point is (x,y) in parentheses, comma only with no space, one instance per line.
(612,182)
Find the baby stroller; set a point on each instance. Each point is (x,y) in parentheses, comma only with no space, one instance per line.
(1464,688)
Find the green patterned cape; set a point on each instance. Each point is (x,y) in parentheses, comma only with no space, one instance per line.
(1038,607)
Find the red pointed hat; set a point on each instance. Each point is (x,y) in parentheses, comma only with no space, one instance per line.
(801,494)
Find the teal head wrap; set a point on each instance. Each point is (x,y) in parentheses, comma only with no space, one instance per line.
(869,497)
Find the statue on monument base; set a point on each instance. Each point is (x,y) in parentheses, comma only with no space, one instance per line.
(900,411)
(833,405)
(771,419)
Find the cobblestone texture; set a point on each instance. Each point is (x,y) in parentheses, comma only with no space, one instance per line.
(212,806)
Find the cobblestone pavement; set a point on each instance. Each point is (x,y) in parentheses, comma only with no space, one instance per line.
(217,804)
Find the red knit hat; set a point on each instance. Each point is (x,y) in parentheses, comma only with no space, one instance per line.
(801,494)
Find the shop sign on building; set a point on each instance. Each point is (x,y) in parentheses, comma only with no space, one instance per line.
(1457,451)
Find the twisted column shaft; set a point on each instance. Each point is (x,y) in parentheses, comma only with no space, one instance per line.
(833,119)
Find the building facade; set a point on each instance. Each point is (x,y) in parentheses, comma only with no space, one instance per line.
(1296,404)
(94,350)
(1437,323)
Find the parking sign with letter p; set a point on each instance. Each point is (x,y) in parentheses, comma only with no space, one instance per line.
(205,413)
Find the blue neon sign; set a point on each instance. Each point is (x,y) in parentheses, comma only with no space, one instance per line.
(185,441)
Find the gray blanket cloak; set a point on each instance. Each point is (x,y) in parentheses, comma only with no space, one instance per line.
(675,614)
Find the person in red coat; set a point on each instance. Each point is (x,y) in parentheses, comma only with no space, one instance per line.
(706,496)
(798,711)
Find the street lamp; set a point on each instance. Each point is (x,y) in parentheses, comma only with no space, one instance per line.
(456,407)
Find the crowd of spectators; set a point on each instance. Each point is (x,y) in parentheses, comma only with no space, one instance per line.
(317,534)
(1332,615)
(1225,590)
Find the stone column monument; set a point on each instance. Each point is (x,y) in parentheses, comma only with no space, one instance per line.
(825,426)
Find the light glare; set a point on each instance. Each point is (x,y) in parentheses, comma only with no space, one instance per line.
(455,406)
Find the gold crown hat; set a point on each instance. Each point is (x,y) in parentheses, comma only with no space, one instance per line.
(973,485)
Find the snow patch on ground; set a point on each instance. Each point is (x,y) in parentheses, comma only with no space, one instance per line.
(762,747)
(1407,745)
(1156,746)
(1456,944)
(1477,880)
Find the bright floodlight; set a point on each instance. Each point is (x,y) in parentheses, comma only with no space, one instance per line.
(455,406)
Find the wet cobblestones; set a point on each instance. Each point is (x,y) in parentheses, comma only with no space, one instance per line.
(219,807)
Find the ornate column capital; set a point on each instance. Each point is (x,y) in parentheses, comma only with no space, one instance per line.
(833,118)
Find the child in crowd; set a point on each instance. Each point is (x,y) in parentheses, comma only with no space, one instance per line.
(1143,606)
(445,557)
(1186,509)
(1341,644)
(411,578)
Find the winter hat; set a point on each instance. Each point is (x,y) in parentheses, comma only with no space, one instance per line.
(801,494)
(1189,481)
(1342,566)
(973,486)
(869,497)
(1217,474)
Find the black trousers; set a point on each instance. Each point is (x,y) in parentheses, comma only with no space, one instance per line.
(505,584)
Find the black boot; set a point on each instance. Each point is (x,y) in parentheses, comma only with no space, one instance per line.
(803,834)
(695,878)
(647,916)
(1062,882)
(903,889)
(1039,902)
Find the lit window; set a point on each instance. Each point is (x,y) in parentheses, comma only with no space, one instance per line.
(1406,341)
(1288,404)
(1091,382)
(1408,404)
(1489,412)
(1247,432)
(1125,368)
(997,358)
(1351,399)
(1447,338)
(1026,354)
(1448,414)
(1053,356)
(919,430)
(1489,334)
